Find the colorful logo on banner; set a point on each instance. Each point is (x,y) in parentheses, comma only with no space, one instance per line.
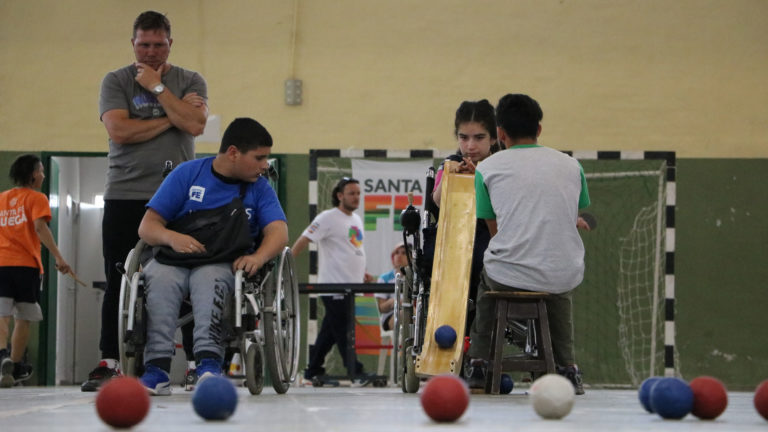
(384,187)
(387,206)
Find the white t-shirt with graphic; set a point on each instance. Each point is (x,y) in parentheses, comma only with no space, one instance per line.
(339,237)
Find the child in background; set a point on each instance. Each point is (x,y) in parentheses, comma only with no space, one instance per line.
(386,301)
(24,216)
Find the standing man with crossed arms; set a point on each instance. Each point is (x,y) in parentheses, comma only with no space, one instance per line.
(152,111)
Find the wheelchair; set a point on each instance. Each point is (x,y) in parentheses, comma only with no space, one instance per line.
(412,286)
(412,290)
(262,320)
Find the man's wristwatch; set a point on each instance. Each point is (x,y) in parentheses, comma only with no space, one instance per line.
(158,88)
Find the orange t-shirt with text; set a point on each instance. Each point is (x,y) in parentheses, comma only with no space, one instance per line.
(19,243)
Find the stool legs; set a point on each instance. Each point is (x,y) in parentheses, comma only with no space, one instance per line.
(546,339)
(507,311)
(493,374)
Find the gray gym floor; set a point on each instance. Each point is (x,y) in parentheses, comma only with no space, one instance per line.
(346,409)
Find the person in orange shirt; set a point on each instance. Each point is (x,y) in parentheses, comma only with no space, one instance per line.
(24,216)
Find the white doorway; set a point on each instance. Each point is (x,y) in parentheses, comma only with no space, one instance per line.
(79,198)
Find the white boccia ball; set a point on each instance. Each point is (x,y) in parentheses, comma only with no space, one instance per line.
(552,396)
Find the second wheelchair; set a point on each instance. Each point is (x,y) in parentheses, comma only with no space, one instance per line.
(262,320)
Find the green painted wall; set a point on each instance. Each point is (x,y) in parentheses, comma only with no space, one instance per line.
(721,271)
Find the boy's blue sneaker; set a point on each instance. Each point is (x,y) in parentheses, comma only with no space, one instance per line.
(156,381)
(207,368)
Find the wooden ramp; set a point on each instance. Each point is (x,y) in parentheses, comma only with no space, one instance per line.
(450,273)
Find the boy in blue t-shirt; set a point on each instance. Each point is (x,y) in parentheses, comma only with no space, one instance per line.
(200,185)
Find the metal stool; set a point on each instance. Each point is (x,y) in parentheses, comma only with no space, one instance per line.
(512,307)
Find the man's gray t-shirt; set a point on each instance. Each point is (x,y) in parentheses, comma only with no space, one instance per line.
(135,170)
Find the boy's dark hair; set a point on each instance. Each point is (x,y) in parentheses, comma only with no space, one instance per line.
(246,134)
(519,115)
(151,20)
(23,168)
(339,188)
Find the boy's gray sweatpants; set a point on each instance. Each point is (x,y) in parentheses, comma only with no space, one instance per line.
(167,286)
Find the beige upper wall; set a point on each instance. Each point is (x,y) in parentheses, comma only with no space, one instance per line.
(683,75)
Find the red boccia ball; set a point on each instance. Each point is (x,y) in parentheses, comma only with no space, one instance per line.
(122,402)
(761,399)
(445,398)
(709,397)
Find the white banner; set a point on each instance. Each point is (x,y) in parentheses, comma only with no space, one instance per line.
(384,190)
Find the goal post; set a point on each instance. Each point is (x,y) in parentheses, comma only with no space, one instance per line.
(624,308)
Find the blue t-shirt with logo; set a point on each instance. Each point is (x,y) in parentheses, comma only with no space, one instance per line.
(192,186)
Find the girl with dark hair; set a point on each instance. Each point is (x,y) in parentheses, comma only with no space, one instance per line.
(475,132)
(24,216)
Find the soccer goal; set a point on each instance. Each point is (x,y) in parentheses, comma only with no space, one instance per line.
(624,307)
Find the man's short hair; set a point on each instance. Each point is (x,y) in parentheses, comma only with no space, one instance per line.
(245,134)
(151,20)
(519,116)
(340,188)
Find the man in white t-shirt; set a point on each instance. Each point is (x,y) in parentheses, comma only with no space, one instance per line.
(338,233)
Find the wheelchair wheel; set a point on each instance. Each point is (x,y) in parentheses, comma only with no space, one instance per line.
(409,382)
(398,306)
(281,325)
(254,368)
(130,354)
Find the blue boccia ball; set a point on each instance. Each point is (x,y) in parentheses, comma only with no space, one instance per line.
(445,336)
(506,384)
(645,392)
(671,398)
(215,398)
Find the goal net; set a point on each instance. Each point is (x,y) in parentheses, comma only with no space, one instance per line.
(619,308)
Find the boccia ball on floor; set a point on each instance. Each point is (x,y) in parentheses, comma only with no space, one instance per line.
(122,402)
(671,398)
(215,398)
(709,397)
(645,392)
(445,336)
(552,396)
(445,398)
(761,399)
(506,384)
